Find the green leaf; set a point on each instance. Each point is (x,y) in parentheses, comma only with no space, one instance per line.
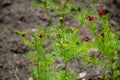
(52,4)
(62,11)
(75,30)
(65,75)
(17,32)
(35,3)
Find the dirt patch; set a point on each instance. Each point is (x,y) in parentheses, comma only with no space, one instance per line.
(15,15)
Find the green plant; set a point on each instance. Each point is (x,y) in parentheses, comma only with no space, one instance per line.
(67,44)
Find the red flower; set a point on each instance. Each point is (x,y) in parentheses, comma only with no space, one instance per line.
(86,38)
(40,35)
(101,12)
(23,34)
(31,62)
(90,18)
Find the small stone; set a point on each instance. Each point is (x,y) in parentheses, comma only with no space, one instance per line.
(82,75)
(30,78)
(34,30)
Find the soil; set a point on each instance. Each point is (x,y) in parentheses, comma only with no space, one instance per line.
(19,14)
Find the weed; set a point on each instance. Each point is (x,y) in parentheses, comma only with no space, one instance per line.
(67,44)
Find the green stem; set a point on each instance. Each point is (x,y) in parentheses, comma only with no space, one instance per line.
(48,14)
(65,70)
(38,68)
(112,69)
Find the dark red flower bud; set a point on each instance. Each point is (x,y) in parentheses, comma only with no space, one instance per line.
(90,18)
(31,62)
(86,38)
(40,35)
(101,12)
(23,34)
(102,34)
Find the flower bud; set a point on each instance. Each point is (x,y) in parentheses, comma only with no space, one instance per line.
(61,19)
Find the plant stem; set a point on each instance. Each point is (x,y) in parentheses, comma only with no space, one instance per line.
(48,14)
(112,69)
(66,70)
(38,59)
